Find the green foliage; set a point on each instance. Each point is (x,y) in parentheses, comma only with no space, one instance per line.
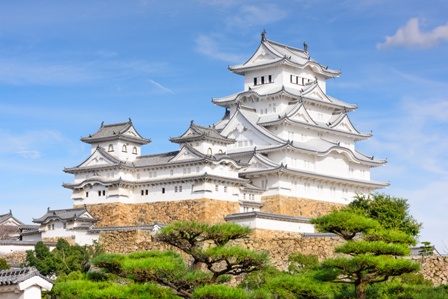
(40,258)
(345,224)
(369,253)
(65,258)
(68,258)
(257,279)
(426,249)
(390,212)
(299,262)
(302,286)
(86,289)
(216,291)
(4,264)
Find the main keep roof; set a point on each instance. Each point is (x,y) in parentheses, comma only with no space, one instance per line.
(270,53)
(121,131)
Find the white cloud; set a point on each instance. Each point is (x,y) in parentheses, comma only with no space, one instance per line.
(410,36)
(29,154)
(29,144)
(161,87)
(209,47)
(45,72)
(256,15)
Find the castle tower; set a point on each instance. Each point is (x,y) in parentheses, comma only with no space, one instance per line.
(283,147)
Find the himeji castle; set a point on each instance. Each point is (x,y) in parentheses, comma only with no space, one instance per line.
(283,147)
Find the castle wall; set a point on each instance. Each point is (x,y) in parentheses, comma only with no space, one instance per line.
(119,214)
(294,206)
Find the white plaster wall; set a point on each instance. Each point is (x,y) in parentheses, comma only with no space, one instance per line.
(35,237)
(32,292)
(83,238)
(280,225)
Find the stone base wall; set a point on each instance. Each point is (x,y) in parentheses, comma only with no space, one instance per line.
(120,214)
(434,268)
(279,245)
(296,206)
(15,258)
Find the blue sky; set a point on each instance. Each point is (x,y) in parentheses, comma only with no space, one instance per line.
(66,66)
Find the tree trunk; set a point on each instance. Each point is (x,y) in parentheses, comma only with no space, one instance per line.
(361,290)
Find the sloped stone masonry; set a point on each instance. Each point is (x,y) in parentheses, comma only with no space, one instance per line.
(120,214)
(295,206)
(434,268)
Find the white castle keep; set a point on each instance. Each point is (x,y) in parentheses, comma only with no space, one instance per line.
(282,135)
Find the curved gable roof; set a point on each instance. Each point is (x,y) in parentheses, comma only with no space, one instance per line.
(270,52)
(99,152)
(118,131)
(196,132)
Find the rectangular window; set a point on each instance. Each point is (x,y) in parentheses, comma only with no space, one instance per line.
(146,192)
(255,81)
(64,225)
(225,188)
(87,194)
(270,78)
(99,193)
(175,188)
(291,79)
(180,188)
(262,80)
(104,192)
(163,190)
(142,192)
(171,172)
(216,188)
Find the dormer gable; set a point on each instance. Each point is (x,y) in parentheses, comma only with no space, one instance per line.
(260,162)
(187,153)
(243,127)
(98,159)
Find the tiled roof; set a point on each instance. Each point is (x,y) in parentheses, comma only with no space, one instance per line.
(311,174)
(256,214)
(125,228)
(16,276)
(271,90)
(65,214)
(124,131)
(285,54)
(7,216)
(196,132)
(162,180)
